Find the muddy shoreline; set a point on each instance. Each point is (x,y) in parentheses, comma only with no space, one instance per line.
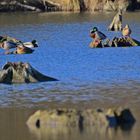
(68,5)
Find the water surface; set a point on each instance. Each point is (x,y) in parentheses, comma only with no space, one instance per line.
(89,77)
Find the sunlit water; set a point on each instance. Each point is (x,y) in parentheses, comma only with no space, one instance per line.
(89,77)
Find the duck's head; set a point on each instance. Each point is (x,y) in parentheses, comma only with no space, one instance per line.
(94,29)
(34,42)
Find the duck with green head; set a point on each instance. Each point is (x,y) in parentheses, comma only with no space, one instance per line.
(96,34)
(98,37)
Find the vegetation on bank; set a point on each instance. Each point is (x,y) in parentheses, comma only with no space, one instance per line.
(68,5)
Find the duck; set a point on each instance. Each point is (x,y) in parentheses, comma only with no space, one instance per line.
(126,31)
(32,44)
(92,32)
(23,50)
(96,34)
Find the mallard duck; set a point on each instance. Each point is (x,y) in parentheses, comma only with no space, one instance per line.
(32,44)
(126,31)
(92,32)
(96,34)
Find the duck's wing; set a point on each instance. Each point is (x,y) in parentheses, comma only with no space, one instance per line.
(100,35)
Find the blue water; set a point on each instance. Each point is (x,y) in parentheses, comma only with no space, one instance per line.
(88,78)
(64,54)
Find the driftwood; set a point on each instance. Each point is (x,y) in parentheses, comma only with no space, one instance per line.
(38,6)
(116,42)
(51,3)
(123,42)
(18,4)
(21,73)
(116,24)
(24,6)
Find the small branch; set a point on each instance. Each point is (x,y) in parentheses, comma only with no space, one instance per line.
(52,3)
(32,8)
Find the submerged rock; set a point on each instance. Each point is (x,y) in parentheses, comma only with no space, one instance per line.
(21,73)
(80,119)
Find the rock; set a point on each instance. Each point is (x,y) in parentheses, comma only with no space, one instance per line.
(21,73)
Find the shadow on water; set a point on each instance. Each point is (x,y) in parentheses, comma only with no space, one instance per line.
(101,132)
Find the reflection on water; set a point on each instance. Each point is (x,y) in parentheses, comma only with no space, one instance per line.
(88,77)
(13,127)
(100,132)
